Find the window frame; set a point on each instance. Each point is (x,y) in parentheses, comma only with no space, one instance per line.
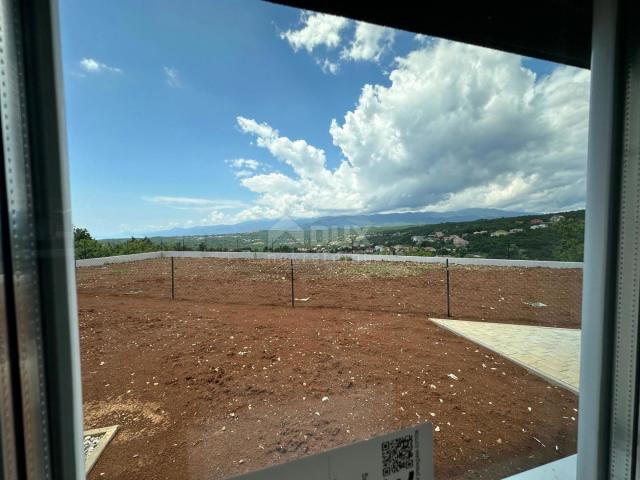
(41,344)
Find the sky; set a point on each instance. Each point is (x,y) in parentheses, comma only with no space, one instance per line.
(187,113)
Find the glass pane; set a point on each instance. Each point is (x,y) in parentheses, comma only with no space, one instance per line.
(296,231)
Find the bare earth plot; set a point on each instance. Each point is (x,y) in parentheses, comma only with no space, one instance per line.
(206,389)
(492,294)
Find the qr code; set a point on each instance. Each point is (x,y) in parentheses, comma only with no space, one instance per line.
(397,454)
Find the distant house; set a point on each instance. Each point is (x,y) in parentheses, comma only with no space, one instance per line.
(439,234)
(536,221)
(398,249)
(537,227)
(557,218)
(379,248)
(480,232)
(418,238)
(516,230)
(499,233)
(460,242)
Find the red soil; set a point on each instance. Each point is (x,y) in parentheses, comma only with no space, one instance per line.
(217,382)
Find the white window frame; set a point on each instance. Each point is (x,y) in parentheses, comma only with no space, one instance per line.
(40,389)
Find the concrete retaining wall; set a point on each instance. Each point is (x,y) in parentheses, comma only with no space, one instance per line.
(94,262)
(134,257)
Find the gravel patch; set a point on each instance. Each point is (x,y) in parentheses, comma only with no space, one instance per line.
(90,442)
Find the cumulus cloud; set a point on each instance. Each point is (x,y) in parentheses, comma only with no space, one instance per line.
(457,126)
(318,29)
(458,120)
(91,65)
(313,190)
(306,160)
(172,76)
(370,42)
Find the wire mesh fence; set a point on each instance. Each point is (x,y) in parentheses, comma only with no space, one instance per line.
(242,282)
(379,286)
(147,278)
(542,296)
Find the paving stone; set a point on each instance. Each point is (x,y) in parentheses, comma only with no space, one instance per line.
(553,353)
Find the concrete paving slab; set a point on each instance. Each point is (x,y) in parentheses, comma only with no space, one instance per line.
(563,469)
(102,437)
(552,353)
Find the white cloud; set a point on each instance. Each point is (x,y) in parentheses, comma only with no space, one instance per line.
(246,163)
(314,190)
(458,117)
(214,218)
(194,203)
(318,29)
(458,126)
(328,66)
(370,42)
(91,65)
(243,173)
(208,211)
(244,167)
(172,77)
(306,160)
(423,39)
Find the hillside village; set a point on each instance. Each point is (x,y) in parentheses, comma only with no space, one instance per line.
(439,242)
(556,236)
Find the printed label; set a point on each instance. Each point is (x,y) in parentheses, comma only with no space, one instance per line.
(403,455)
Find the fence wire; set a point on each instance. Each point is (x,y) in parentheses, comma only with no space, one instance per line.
(542,296)
(376,286)
(148,278)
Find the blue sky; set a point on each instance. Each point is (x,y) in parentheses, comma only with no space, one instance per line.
(154,92)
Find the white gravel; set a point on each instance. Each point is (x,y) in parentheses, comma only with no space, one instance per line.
(90,442)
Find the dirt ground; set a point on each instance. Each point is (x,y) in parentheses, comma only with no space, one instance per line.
(494,294)
(207,389)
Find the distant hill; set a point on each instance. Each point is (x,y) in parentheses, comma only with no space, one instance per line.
(545,236)
(371,220)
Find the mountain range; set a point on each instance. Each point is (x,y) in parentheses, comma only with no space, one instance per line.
(365,220)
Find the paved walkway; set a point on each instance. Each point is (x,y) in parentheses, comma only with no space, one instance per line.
(553,353)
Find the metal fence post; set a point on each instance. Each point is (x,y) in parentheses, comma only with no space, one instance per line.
(448,290)
(293,299)
(173,292)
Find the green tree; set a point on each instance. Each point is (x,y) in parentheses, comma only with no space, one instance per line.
(570,247)
(81,234)
(86,246)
